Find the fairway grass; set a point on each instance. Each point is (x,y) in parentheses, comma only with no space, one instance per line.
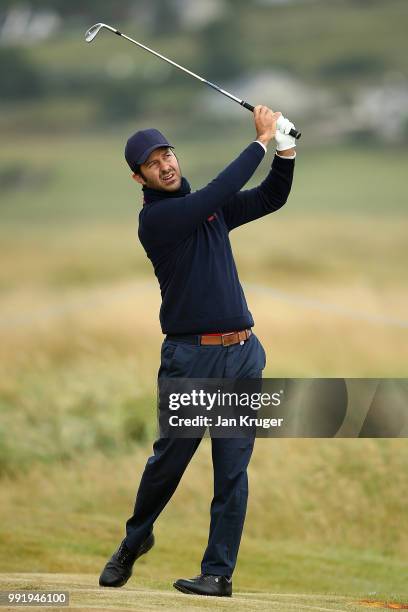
(85,595)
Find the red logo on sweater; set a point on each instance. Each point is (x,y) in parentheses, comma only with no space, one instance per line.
(212,217)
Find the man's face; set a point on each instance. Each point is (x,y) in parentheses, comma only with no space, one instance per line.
(161,171)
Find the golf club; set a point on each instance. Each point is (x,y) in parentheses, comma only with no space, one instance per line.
(95,29)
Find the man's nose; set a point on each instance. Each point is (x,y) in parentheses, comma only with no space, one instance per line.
(165,166)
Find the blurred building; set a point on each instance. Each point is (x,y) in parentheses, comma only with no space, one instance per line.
(23,24)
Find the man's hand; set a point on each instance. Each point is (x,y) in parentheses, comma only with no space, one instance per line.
(285,143)
(265,123)
(266,129)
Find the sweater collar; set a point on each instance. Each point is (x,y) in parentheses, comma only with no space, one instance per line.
(153,195)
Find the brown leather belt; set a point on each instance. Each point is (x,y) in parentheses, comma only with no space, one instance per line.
(215,340)
(227,339)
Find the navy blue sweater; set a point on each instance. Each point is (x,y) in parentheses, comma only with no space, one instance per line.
(185,235)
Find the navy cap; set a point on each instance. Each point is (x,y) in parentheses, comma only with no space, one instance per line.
(141,144)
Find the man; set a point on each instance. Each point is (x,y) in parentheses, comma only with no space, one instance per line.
(208,329)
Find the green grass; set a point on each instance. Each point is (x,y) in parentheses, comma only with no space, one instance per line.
(313,526)
(70,203)
(85,178)
(79,357)
(55,410)
(69,237)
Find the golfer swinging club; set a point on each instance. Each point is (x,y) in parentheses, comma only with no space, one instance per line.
(207,324)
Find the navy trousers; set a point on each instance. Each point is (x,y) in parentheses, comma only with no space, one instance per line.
(230,456)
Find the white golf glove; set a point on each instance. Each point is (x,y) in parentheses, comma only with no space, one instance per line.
(283,139)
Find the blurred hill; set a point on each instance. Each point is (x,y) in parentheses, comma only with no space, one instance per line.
(337,67)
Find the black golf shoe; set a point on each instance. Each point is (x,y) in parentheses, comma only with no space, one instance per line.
(205,584)
(118,569)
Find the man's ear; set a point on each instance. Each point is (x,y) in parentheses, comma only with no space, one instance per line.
(139,179)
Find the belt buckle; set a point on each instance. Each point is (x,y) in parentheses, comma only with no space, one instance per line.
(223,336)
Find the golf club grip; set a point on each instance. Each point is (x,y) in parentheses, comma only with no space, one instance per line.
(292,132)
(248,106)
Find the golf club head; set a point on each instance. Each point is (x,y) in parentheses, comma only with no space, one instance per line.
(95,29)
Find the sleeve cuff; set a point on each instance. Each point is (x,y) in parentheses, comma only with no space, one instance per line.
(285,156)
(262,145)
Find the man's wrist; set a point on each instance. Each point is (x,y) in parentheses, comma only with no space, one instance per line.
(287,152)
(263,139)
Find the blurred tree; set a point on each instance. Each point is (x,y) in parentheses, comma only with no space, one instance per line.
(356,66)
(165,17)
(221,49)
(19,77)
(105,8)
(122,100)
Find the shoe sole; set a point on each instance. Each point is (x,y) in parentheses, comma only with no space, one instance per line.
(114,586)
(185,590)
(146,546)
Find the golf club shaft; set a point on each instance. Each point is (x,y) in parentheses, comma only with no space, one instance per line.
(293,132)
